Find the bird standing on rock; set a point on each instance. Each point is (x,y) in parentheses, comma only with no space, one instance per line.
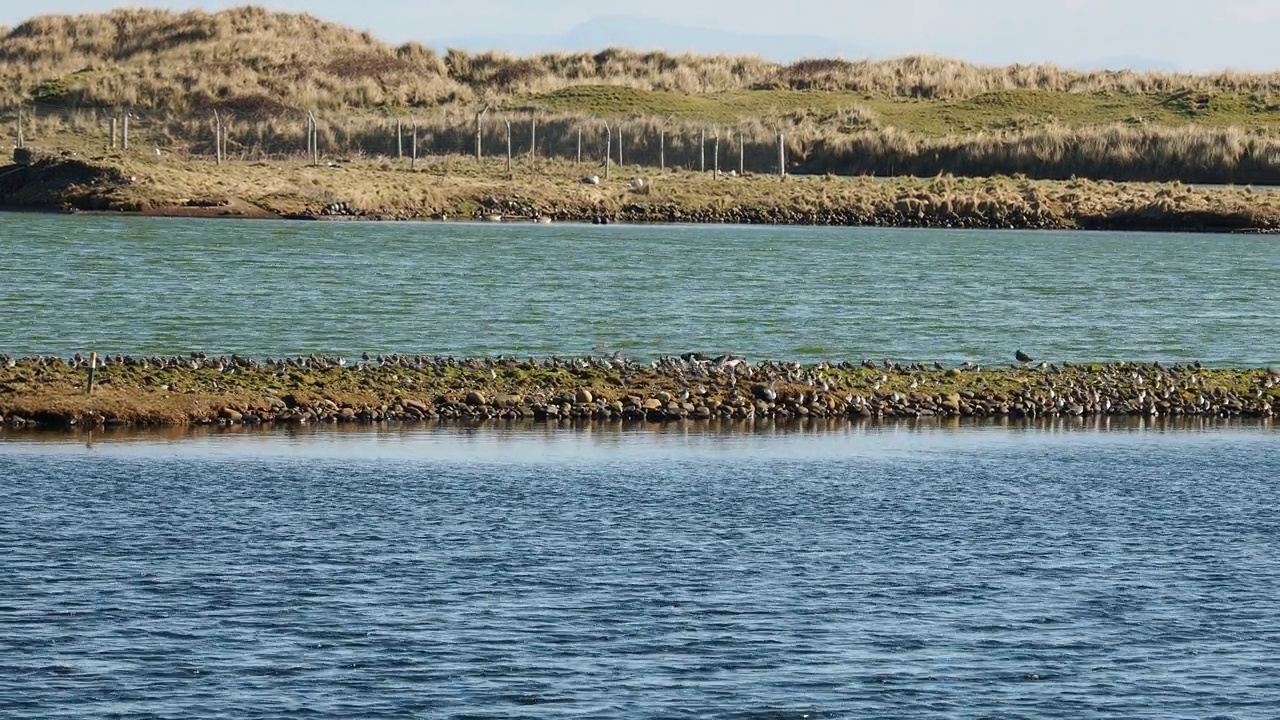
(1022,357)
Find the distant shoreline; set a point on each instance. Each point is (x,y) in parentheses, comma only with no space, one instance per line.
(461,189)
(177,213)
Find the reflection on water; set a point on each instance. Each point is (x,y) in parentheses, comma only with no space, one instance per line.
(531,441)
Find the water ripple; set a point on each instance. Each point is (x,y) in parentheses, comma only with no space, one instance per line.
(142,285)
(880,575)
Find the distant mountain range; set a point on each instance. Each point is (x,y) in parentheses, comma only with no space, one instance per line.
(638,33)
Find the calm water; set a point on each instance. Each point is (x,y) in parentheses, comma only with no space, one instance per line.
(875,572)
(134,285)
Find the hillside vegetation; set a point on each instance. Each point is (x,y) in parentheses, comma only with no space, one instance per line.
(263,71)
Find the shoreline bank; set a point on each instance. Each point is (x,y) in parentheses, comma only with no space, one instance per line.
(619,427)
(53,392)
(559,192)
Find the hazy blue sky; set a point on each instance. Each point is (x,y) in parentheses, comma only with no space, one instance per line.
(1195,34)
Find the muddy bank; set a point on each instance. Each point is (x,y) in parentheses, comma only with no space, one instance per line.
(52,392)
(559,193)
(68,184)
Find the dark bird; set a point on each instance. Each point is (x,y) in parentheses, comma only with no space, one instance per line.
(1022,357)
(938,366)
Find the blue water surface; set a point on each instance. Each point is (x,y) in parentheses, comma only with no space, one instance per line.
(873,571)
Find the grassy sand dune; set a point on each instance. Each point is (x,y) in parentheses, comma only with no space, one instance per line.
(179,60)
(918,115)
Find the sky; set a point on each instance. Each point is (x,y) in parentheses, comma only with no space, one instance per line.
(1193,34)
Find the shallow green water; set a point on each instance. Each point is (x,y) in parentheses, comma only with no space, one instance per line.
(139,285)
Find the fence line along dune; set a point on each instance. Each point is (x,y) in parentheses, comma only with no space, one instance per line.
(851,143)
(264,71)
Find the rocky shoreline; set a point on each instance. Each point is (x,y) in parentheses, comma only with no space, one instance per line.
(53,392)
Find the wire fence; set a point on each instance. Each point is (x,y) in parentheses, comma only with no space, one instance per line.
(748,148)
(1190,153)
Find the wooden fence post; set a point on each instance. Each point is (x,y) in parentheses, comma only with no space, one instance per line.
(620,147)
(313,132)
(579,145)
(20,140)
(480,131)
(125,133)
(533,138)
(113,133)
(702,151)
(662,148)
(608,150)
(217,136)
(399,140)
(782,157)
(413,149)
(715,156)
(93,369)
(508,148)
(741,155)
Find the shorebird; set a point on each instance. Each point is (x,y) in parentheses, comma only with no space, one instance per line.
(1022,357)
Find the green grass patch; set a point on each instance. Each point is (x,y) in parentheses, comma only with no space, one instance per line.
(618,101)
(1003,110)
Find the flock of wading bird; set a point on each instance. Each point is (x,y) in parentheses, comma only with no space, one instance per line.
(670,388)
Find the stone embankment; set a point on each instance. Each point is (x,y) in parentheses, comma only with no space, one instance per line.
(197,389)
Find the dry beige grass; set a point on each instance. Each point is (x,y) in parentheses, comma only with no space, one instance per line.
(258,61)
(460,188)
(846,143)
(263,70)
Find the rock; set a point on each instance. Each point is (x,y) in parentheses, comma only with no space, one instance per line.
(651,404)
(583,396)
(27,156)
(764,393)
(952,402)
(230,414)
(475,397)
